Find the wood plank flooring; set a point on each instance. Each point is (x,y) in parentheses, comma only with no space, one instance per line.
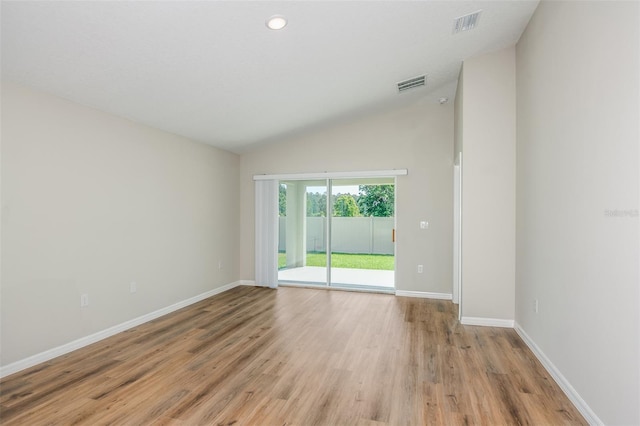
(294,356)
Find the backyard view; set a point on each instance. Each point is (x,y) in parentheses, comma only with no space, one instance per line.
(352,219)
(371,200)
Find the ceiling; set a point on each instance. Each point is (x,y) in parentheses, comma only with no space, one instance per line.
(213,72)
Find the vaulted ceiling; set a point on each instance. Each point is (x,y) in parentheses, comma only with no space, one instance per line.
(213,72)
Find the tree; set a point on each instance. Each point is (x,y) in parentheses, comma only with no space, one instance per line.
(376,200)
(316,204)
(345,206)
(282,200)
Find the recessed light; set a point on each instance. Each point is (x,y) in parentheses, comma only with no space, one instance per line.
(276,22)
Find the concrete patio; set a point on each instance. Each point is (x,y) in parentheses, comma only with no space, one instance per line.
(339,276)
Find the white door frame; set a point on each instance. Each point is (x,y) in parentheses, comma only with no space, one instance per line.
(457,234)
(329,177)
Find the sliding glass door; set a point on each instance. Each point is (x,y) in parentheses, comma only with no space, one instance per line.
(337,232)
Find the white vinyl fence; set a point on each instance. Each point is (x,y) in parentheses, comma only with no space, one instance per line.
(364,235)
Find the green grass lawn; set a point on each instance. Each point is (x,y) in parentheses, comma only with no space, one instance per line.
(346,260)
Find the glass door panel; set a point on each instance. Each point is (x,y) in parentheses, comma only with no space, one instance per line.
(362,226)
(302,245)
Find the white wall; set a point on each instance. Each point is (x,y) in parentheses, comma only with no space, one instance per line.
(487,138)
(91,202)
(418,137)
(578,95)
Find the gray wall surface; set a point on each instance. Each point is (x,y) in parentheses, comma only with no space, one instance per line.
(92,202)
(578,176)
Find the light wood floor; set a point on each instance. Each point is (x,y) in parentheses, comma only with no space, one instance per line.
(294,356)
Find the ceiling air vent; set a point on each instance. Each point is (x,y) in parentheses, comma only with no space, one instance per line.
(466,22)
(412,83)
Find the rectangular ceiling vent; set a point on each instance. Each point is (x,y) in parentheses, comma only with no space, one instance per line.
(412,83)
(466,22)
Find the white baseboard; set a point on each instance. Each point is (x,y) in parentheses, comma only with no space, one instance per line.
(47,355)
(487,322)
(250,283)
(424,295)
(564,384)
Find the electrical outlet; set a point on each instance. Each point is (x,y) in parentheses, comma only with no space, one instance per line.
(133,287)
(84,300)
(535,305)
(420,269)
(424,224)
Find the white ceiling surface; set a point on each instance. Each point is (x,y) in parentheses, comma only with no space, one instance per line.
(213,72)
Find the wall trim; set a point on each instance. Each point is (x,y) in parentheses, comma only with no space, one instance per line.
(49,354)
(424,295)
(487,322)
(250,283)
(573,395)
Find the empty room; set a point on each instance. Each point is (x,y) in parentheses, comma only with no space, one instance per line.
(320,212)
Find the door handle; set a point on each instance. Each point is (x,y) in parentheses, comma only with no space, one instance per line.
(393,235)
